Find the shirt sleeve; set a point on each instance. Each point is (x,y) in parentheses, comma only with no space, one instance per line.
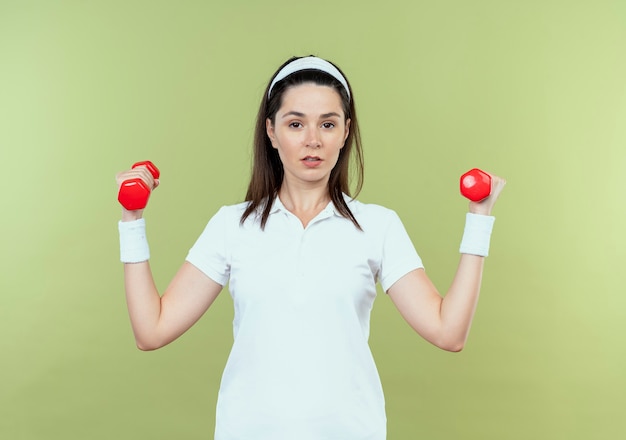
(399,255)
(209,253)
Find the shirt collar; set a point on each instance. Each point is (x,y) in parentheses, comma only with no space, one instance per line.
(277,206)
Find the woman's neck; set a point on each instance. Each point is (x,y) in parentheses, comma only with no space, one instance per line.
(304,203)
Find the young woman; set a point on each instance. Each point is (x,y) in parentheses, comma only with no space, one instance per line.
(302,259)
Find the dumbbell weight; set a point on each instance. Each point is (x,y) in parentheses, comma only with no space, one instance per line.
(476,185)
(134,193)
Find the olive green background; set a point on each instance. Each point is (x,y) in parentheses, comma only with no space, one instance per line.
(533,91)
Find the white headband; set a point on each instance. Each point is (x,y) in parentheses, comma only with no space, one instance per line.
(309,63)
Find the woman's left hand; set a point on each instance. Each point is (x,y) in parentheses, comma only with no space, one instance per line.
(485,206)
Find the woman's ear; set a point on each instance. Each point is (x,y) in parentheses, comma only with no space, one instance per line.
(269,129)
(345,136)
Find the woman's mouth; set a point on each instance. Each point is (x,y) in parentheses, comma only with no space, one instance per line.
(312,161)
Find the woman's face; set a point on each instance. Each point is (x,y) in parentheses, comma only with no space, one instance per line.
(309,131)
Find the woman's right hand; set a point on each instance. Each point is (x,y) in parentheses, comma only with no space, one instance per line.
(139,172)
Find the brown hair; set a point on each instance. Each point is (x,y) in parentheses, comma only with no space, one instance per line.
(267,169)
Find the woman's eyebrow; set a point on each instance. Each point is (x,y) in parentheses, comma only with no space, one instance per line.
(302,115)
(294,113)
(330,115)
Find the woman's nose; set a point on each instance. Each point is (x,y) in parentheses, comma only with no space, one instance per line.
(313,138)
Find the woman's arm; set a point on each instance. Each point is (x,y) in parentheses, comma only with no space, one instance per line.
(445,321)
(158,320)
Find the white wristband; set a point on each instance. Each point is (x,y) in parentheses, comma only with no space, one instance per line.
(477,234)
(133,242)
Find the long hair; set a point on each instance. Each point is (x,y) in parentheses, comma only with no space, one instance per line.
(267,169)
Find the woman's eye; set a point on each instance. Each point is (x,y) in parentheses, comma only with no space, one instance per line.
(295,125)
(328,125)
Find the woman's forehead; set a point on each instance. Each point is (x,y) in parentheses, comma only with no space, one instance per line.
(312,97)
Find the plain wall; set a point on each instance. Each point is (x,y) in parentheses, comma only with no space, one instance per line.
(533,91)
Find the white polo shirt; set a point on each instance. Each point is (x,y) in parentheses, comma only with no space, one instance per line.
(300,366)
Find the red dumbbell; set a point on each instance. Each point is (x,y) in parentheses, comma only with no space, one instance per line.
(476,185)
(134,193)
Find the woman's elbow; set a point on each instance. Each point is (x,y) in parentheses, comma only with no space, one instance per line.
(453,346)
(144,347)
(148,345)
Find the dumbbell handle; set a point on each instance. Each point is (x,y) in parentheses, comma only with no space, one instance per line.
(476,185)
(134,193)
